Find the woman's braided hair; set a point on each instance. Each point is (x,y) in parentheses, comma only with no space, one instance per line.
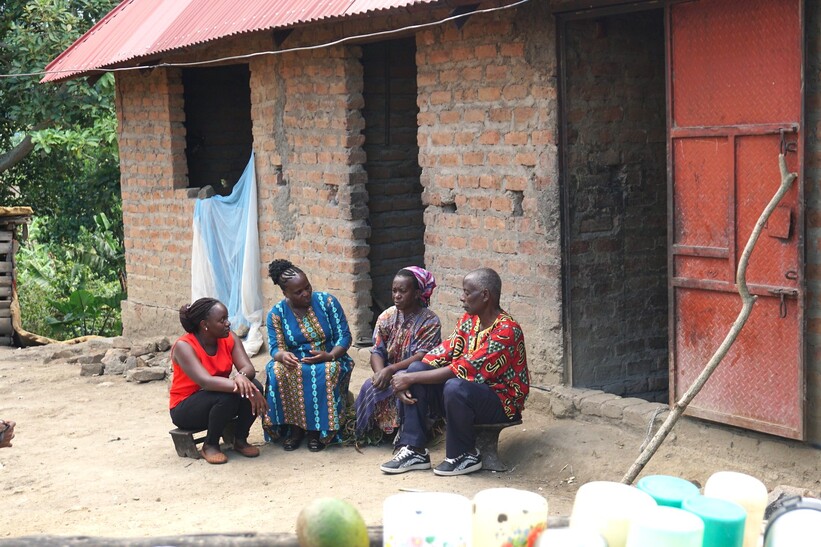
(281,271)
(192,314)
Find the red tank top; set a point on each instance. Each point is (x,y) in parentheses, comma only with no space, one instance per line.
(219,364)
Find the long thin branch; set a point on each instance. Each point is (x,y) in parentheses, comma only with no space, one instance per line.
(747,299)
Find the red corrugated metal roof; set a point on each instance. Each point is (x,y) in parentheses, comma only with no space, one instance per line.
(141,28)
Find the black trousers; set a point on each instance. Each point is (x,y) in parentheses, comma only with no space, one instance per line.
(462,403)
(212,410)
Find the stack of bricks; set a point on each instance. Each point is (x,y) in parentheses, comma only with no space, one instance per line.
(6,282)
(313,202)
(394,190)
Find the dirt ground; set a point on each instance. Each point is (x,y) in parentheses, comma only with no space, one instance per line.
(92,456)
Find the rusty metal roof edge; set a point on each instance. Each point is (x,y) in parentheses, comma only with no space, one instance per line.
(134,59)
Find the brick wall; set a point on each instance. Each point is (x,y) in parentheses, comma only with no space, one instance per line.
(307,124)
(487,140)
(156,212)
(812,194)
(394,191)
(617,213)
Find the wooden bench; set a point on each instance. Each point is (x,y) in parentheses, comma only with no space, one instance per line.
(186,444)
(487,441)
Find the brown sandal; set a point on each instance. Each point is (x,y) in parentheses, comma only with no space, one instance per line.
(247,450)
(214,457)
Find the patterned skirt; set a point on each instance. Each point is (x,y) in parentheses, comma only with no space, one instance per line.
(375,409)
(312,397)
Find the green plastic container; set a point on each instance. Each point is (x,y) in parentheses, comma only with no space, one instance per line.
(723,520)
(666,490)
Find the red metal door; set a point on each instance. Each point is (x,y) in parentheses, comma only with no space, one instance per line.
(735,87)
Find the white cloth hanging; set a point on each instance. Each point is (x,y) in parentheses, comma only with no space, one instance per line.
(225,255)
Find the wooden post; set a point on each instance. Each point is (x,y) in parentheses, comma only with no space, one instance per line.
(6,281)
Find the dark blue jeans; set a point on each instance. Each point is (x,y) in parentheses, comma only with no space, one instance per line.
(462,403)
(212,410)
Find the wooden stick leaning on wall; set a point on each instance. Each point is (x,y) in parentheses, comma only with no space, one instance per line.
(747,300)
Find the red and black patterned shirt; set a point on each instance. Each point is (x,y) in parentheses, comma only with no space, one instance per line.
(494,356)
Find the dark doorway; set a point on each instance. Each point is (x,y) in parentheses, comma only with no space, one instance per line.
(394,188)
(218,133)
(615,203)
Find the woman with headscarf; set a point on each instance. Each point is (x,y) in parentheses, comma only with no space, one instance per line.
(310,368)
(404,333)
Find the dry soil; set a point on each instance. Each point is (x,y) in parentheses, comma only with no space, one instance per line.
(92,456)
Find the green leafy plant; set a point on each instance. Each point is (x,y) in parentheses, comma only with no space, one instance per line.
(72,290)
(85,313)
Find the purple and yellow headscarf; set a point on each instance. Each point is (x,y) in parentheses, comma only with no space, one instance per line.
(426,282)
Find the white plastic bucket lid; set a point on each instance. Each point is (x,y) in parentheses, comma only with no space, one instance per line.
(797,523)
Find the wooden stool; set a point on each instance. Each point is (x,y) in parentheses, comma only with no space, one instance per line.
(186,444)
(487,441)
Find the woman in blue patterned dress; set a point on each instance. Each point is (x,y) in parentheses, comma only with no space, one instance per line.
(310,369)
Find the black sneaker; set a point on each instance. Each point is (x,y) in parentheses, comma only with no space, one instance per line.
(406,459)
(460,465)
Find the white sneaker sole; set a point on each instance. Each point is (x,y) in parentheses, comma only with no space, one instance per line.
(475,467)
(399,470)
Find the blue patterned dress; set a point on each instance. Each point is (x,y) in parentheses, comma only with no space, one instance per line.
(313,397)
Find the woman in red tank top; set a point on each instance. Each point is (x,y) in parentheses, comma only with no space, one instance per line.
(203,396)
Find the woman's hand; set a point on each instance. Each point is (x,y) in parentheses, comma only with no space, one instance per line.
(244,386)
(259,406)
(382,378)
(289,360)
(318,357)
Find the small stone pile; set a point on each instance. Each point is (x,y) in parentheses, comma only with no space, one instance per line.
(139,361)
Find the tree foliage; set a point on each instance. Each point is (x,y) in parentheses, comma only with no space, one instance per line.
(58,155)
(58,149)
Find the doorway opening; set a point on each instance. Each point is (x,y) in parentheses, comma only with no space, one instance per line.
(218,132)
(615,203)
(394,186)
